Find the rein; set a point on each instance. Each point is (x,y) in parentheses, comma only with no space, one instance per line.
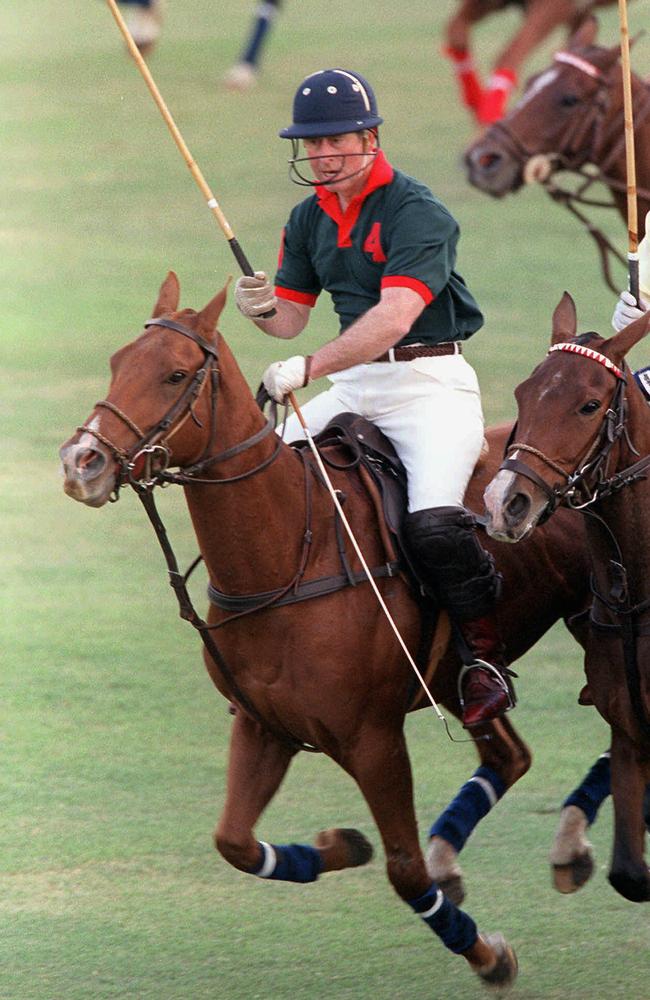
(145,466)
(591,478)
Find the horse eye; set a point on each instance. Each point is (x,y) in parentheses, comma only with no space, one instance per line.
(177,377)
(569,100)
(590,407)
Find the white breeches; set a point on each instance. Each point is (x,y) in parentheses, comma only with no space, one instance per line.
(430,410)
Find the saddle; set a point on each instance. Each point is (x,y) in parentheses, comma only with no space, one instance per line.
(383,475)
(350,442)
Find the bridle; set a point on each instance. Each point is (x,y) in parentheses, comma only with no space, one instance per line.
(581,490)
(575,147)
(146,463)
(580,147)
(589,482)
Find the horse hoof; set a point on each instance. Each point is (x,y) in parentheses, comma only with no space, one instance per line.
(571,877)
(504,972)
(453,888)
(637,890)
(343,848)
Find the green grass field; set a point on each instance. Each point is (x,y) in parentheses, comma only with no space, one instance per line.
(113,740)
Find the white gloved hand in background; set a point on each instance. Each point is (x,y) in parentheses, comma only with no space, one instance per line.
(283,377)
(254,296)
(627,311)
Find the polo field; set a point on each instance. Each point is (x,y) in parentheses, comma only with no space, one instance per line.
(115,739)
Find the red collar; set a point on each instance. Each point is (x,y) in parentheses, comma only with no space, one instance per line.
(381,173)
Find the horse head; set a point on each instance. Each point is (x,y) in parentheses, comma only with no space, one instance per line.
(159,407)
(556,123)
(571,414)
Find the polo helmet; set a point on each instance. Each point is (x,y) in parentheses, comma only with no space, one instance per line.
(332,102)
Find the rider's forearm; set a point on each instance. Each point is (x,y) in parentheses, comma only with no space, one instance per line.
(289,320)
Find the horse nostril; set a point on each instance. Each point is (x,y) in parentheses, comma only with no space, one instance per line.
(89,463)
(487,161)
(517,507)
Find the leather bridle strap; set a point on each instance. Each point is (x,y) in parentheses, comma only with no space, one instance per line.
(171,324)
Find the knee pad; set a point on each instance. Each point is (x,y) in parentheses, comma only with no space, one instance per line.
(445,546)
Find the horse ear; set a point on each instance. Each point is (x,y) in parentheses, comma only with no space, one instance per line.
(618,346)
(168,296)
(606,59)
(585,34)
(209,315)
(565,320)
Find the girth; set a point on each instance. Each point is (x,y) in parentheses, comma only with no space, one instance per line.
(319,587)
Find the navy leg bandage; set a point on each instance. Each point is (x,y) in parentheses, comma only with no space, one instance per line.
(473,802)
(289,863)
(456,929)
(264,17)
(592,792)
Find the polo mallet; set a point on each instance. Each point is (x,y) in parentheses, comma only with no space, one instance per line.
(194,169)
(364,564)
(632,219)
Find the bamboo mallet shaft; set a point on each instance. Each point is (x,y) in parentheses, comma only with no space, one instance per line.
(632,217)
(194,168)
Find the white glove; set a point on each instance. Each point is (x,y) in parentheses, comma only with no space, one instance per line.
(283,377)
(627,311)
(254,296)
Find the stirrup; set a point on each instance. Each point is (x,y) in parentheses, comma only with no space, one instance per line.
(501,680)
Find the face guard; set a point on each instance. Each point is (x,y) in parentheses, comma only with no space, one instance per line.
(299,178)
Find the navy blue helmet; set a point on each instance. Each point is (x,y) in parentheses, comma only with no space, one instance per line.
(332,102)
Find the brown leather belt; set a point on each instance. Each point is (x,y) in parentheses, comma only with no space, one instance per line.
(421,351)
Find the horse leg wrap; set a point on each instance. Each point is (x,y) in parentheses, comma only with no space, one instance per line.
(474,801)
(289,863)
(495,96)
(592,792)
(456,929)
(467,75)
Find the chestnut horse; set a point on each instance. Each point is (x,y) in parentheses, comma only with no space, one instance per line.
(582,439)
(569,116)
(324,673)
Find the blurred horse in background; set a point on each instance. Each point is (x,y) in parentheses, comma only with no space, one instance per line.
(582,440)
(570,118)
(540,19)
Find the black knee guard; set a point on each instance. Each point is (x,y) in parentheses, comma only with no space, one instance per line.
(457,568)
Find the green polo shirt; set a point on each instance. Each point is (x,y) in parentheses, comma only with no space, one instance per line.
(395,233)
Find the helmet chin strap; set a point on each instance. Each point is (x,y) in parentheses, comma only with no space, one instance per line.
(297,178)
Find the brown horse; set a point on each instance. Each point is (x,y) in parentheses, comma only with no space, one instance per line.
(583,440)
(540,19)
(324,673)
(569,116)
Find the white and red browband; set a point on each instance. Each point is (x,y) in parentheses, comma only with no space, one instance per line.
(572,60)
(586,352)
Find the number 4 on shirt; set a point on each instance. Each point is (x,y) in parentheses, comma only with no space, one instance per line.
(372,244)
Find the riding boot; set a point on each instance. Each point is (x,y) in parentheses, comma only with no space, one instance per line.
(461,575)
(484,687)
